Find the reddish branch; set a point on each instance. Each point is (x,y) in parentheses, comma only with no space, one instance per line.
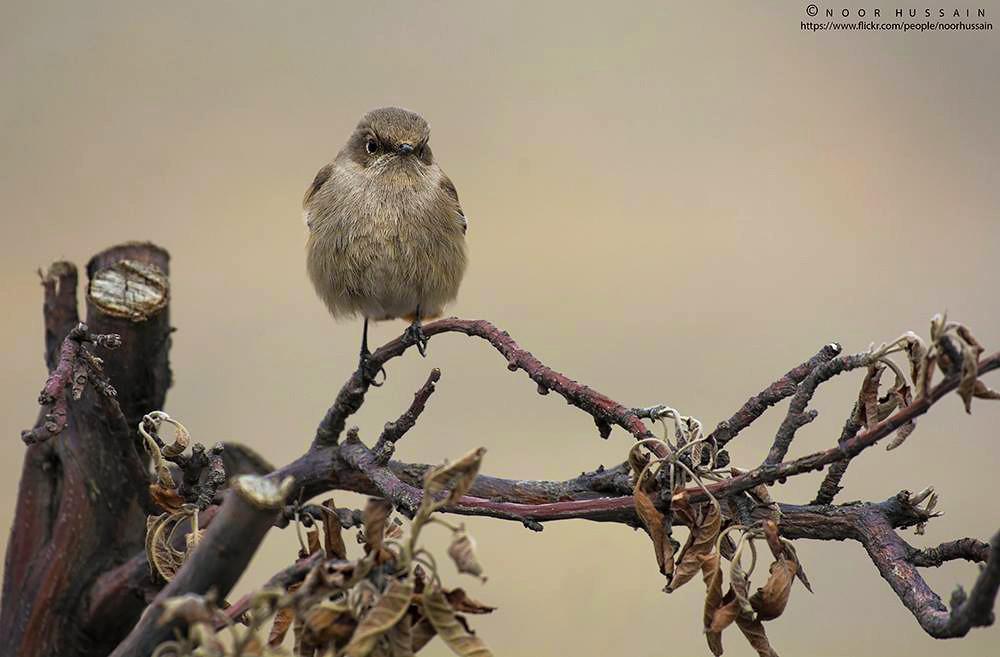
(120,585)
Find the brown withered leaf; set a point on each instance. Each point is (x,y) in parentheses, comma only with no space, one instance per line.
(868,396)
(903,399)
(280,626)
(421,633)
(161,555)
(166,498)
(324,625)
(388,610)
(712,573)
(399,639)
(463,604)
(333,539)
(770,600)
(800,571)
(375,516)
(312,542)
(463,552)
(456,477)
(655,525)
(753,630)
(739,584)
(970,372)
(446,623)
(982,391)
(704,525)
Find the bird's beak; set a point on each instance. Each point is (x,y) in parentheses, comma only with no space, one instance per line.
(405,149)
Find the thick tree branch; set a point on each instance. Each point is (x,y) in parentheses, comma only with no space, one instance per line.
(894,559)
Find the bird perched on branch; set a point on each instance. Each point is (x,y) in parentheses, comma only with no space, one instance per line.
(386,231)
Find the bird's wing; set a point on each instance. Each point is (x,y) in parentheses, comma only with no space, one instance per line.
(321,177)
(449,189)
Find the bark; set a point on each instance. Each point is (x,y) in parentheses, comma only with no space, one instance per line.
(82,491)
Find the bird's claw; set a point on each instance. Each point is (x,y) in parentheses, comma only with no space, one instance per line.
(371,378)
(415,335)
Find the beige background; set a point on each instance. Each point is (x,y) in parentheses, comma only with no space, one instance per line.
(670,203)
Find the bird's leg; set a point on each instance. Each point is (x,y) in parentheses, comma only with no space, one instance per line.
(415,334)
(363,364)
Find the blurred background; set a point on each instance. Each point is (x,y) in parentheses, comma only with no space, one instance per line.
(672,204)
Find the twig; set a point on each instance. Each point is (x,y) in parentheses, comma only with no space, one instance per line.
(774,393)
(393,431)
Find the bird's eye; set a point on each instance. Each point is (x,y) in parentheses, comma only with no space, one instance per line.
(371,146)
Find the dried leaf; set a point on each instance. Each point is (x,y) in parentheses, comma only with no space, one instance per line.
(970,373)
(389,609)
(704,525)
(421,633)
(753,630)
(655,524)
(904,398)
(333,539)
(446,623)
(400,638)
(161,555)
(800,572)
(712,573)
(868,396)
(982,391)
(738,580)
(463,604)
(455,477)
(324,624)
(280,626)
(374,517)
(166,498)
(463,552)
(770,600)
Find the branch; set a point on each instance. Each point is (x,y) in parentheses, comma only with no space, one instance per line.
(393,431)
(605,411)
(894,559)
(220,558)
(774,393)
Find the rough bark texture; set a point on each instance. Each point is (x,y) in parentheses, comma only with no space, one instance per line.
(77,579)
(82,492)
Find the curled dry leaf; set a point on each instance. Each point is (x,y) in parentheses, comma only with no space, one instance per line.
(375,517)
(388,610)
(333,539)
(324,625)
(421,633)
(463,604)
(166,498)
(455,477)
(442,617)
(163,558)
(656,527)
(399,639)
(753,630)
(712,574)
(770,600)
(704,525)
(868,396)
(463,552)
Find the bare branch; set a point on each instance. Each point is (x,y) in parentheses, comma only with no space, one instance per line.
(771,395)
(393,431)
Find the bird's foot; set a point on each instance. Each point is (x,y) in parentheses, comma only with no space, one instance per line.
(415,336)
(365,368)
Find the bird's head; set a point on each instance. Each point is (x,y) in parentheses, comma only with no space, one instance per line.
(391,138)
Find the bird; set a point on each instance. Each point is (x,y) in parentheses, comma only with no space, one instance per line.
(386,229)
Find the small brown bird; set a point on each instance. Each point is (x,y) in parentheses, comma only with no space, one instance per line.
(386,231)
